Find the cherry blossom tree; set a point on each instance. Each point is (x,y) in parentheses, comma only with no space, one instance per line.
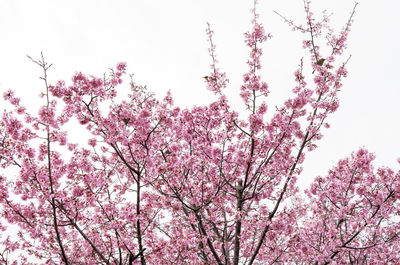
(159,185)
(353,216)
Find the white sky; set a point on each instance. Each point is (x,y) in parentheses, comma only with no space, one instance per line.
(164,44)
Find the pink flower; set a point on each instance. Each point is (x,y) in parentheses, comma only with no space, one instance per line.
(92,142)
(121,67)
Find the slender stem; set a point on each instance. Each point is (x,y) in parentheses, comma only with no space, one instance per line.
(45,67)
(139,231)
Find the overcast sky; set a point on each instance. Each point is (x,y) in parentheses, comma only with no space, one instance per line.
(164,44)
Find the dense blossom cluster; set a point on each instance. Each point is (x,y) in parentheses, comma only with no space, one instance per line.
(159,185)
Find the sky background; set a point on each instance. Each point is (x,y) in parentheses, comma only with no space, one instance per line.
(165,46)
